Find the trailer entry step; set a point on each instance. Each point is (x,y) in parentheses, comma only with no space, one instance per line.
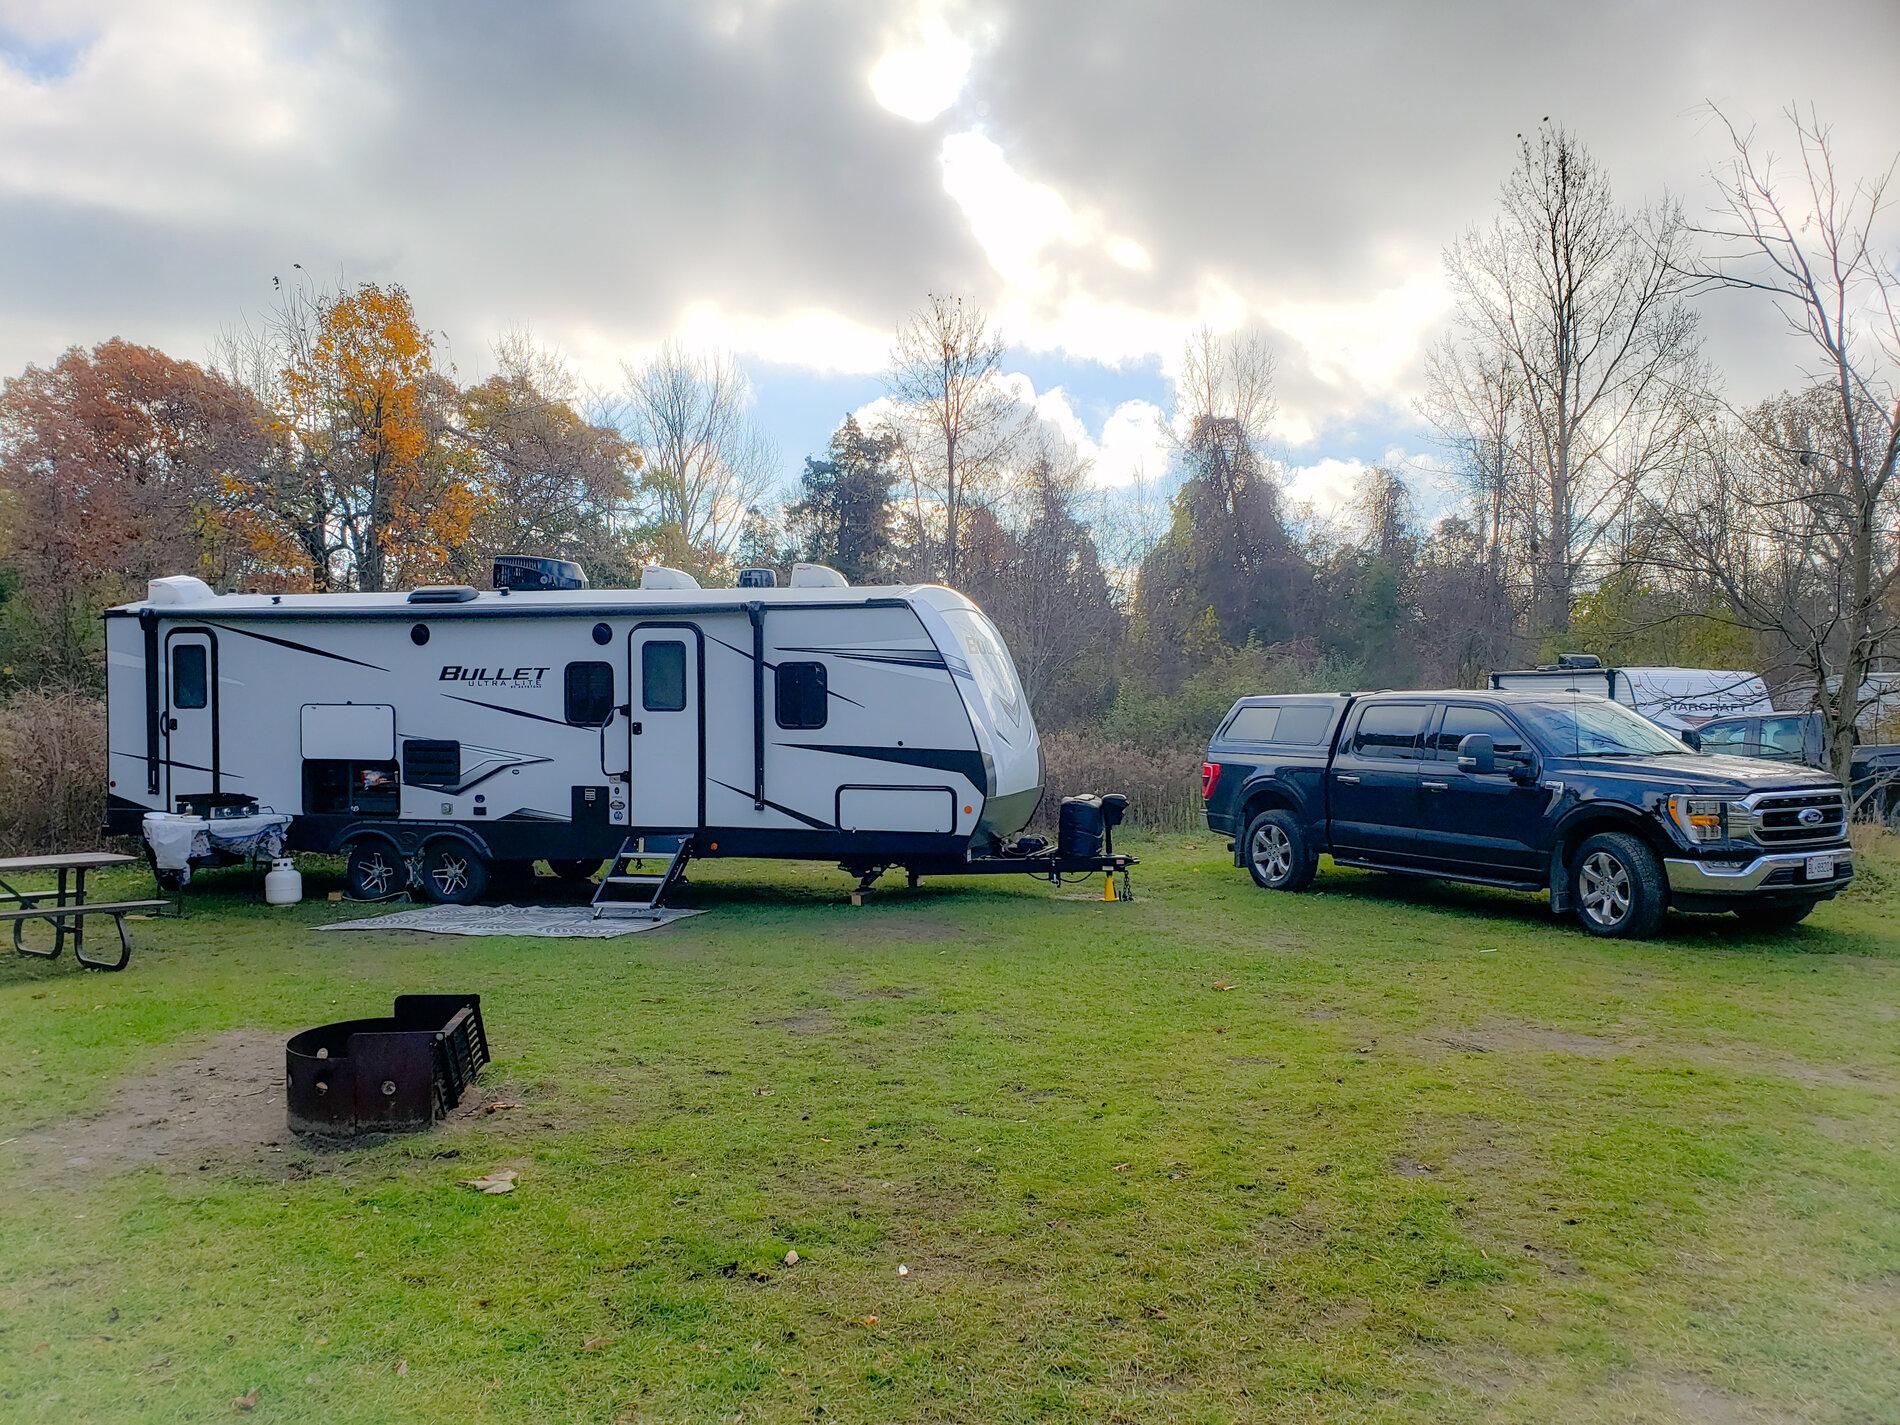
(611,900)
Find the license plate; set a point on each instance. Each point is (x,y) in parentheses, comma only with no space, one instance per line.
(1820,868)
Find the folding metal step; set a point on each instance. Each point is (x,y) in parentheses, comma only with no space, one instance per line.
(624,891)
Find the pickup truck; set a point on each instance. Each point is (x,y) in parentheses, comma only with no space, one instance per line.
(1794,738)
(1572,794)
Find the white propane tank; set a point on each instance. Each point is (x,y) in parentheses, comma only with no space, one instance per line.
(283,885)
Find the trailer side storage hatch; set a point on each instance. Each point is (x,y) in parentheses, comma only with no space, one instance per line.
(349,732)
(929,809)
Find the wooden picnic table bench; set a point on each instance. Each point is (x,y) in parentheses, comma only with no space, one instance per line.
(65,906)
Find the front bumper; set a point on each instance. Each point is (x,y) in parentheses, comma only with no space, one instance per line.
(1780,872)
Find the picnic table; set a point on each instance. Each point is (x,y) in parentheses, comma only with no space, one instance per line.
(65,906)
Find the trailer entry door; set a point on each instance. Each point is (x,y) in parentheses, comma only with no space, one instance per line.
(189,726)
(666,728)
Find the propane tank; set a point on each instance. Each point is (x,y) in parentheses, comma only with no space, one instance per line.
(283,885)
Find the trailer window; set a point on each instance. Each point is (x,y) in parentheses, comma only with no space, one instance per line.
(663,677)
(801,695)
(429,762)
(590,694)
(190,685)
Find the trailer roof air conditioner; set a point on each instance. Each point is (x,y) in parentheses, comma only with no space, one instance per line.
(658,576)
(817,576)
(177,589)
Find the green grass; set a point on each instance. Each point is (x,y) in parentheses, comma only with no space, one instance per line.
(1431,1156)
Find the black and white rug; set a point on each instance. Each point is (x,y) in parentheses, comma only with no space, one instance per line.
(564,922)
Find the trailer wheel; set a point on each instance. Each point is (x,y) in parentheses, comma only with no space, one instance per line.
(375,871)
(575,870)
(453,873)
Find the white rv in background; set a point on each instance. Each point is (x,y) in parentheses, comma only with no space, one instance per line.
(544,720)
(1672,698)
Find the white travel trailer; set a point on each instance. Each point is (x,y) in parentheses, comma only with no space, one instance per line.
(438,734)
(1672,698)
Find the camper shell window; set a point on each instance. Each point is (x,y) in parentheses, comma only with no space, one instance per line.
(590,693)
(191,687)
(663,677)
(802,695)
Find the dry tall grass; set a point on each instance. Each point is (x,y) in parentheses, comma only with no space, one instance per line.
(1163,785)
(52,771)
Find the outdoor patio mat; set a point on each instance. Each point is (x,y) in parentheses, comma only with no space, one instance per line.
(555,921)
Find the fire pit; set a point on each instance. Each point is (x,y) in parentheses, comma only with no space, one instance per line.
(385,1075)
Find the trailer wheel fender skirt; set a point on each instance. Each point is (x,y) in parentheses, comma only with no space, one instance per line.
(412,840)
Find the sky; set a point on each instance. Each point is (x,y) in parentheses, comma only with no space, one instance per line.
(787,180)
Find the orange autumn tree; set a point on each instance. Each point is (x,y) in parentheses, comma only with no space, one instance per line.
(376,490)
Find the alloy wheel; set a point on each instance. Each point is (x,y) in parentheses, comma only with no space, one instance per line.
(375,873)
(1603,886)
(1272,852)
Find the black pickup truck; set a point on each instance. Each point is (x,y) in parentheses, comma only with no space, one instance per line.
(1534,791)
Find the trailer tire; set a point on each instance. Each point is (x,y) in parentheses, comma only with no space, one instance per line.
(577,870)
(1277,853)
(375,870)
(453,872)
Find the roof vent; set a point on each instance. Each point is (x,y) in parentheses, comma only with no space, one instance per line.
(442,594)
(658,576)
(758,579)
(178,589)
(817,576)
(530,573)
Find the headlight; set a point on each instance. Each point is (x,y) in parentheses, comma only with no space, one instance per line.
(1700,818)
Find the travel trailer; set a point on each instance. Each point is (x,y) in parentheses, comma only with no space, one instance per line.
(1672,698)
(438,735)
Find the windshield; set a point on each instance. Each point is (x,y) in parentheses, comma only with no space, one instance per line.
(1597,727)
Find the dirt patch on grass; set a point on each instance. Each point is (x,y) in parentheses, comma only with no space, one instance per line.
(816,1020)
(223,1105)
(1519,1037)
(1694,1401)
(852,990)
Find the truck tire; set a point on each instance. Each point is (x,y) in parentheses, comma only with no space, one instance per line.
(1617,887)
(375,870)
(1774,915)
(1277,853)
(453,873)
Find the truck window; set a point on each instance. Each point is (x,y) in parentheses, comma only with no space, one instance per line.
(1784,738)
(1389,730)
(1462,720)
(1729,737)
(1254,724)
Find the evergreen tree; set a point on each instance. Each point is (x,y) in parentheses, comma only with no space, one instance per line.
(843,514)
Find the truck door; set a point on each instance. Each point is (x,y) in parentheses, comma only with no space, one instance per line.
(1485,825)
(666,729)
(1373,788)
(188,725)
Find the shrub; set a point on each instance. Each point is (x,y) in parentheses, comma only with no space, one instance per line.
(52,770)
(1163,785)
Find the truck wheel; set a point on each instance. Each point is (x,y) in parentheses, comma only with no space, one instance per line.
(453,873)
(1617,887)
(575,870)
(1774,915)
(374,870)
(1277,853)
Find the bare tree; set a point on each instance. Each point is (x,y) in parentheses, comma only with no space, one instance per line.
(1795,511)
(704,461)
(1228,378)
(1573,305)
(955,417)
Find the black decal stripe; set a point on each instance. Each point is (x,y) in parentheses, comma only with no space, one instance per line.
(519,712)
(747,655)
(943,759)
(907,657)
(529,814)
(299,647)
(792,812)
(171,762)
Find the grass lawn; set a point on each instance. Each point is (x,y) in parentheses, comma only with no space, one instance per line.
(1385,1152)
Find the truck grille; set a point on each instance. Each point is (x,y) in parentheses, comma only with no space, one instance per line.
(1777,817)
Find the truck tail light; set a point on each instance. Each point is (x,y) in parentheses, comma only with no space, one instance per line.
(1210,779)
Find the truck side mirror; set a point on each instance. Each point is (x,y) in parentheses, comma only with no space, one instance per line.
(1692,739)
(1477,754)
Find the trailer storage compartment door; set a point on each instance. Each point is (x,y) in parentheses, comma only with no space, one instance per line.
(928,809)
(349,732)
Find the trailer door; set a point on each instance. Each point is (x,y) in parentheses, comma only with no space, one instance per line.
(666,728)
(190,722)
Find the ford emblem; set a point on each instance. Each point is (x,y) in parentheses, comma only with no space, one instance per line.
(1811,816)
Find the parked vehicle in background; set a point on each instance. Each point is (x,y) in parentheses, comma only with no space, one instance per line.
(1798,739)
(1674,698)
(1563,792)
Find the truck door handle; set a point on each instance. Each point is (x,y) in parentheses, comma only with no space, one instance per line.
(1436,786)
(1348,779)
